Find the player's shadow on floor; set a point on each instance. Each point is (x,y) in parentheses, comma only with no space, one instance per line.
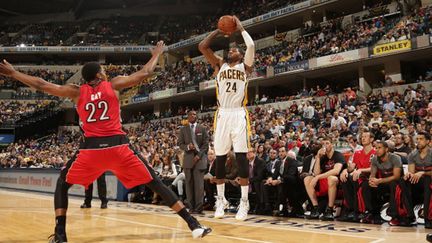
(117,238)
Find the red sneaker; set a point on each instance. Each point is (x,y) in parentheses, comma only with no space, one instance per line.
(394,222)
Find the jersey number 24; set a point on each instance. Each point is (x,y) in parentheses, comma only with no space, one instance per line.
(231,87)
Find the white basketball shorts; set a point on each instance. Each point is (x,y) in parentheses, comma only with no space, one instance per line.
(232,129)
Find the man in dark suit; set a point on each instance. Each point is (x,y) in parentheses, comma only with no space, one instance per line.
(268,189)
(194,140)
(286,179)
(256,175)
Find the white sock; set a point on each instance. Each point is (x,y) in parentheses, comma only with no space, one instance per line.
(244,192)
(221,190)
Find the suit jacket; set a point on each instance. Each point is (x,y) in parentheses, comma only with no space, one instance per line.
(202,139)
(258,171)
(268,169)
(290,171)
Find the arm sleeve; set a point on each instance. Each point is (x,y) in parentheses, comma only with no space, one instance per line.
(250,49)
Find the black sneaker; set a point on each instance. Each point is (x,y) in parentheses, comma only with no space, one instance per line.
(348,217)
(85,205)
(377,219)
(353,217)
(363,215)
(314,214)
(58,237)
(428,224)
(407,222)
(328,215)
(104,205)
(367,218)
(429,237)
(370,218)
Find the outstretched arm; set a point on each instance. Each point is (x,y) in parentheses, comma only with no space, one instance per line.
(249,56)
(68,90)
(204,47)
(122,82)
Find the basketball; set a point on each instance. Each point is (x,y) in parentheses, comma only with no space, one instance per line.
(227,24)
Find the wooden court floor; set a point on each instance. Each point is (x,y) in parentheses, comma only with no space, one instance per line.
(29,217)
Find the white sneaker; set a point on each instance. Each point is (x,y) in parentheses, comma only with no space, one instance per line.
(243,209)
(200,232)
(221,204)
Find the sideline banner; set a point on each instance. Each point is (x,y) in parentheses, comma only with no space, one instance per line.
(44,180)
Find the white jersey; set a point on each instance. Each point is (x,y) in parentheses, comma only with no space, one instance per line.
(231,86)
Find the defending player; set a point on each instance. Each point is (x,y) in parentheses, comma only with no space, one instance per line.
(105,146)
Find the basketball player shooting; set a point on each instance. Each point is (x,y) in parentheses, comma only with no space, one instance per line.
(105,146)
(231,124)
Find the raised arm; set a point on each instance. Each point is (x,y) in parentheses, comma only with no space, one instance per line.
(122,82)
(204,47)
(68,90)
(249,56)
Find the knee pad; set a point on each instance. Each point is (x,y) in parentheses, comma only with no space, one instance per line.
(220,166)
(242,165)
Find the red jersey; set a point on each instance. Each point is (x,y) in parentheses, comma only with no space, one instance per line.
(363,160)
(99,110)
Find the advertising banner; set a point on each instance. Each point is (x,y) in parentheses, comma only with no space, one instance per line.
(289,67)
(392,47)
(338,58)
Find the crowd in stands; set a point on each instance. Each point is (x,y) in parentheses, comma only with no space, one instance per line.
(325,39)
(411,26)
(120,31)
(329,38)
(49,34)
(179,75)
(49,152)
(57,77)
(13,112)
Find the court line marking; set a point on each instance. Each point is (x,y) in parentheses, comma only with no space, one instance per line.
(274,227)
(377,241)
(75,201)
(140,223)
